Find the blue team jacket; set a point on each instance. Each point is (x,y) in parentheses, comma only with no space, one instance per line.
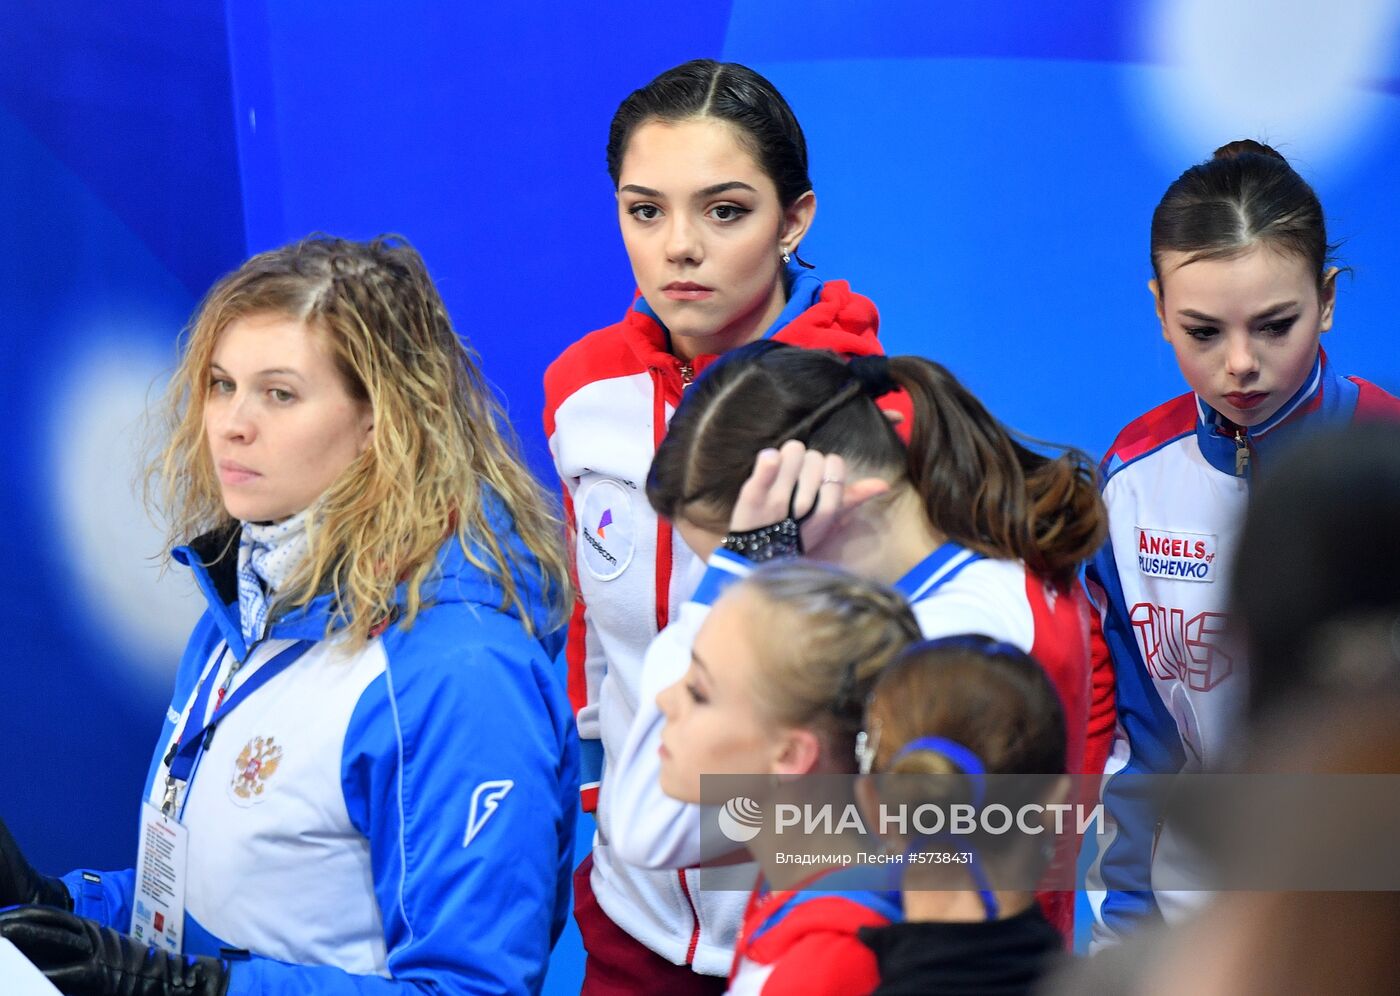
(393,820)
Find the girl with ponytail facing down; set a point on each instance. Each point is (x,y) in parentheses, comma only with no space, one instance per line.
(941,719)
(783,451)
(1244,288)
(709,170)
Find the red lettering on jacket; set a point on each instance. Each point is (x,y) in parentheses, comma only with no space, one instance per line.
(1189,650)
(1170,546)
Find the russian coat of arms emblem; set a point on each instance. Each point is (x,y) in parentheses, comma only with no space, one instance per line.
(256,763)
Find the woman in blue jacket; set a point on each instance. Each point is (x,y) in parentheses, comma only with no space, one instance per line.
(368,757)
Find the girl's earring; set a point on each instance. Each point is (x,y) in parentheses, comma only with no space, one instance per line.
(787,256)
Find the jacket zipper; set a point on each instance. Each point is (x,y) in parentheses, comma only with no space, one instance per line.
(1157,829)
(664,554)
(1241,453)
(663,527)
(663,596)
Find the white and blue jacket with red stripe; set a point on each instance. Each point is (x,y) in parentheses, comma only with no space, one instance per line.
(1176,482)
(952,591)
(608,401)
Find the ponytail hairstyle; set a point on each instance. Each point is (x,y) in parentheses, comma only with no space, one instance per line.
(983,694)
(725,91)
(442,459)
(979,485)
(944,699)
(825,636)
(1244,195)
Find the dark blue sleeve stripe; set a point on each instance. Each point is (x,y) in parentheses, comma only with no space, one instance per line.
(725,568)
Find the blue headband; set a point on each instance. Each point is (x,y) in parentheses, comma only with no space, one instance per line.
(963,759)
(977,643)
(971,766)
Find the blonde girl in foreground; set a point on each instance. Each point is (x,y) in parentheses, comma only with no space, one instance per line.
(778,675)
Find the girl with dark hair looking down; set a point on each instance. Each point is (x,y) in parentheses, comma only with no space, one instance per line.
(780,451)
(1244,287)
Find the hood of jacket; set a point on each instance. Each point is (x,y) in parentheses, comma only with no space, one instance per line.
(819,314)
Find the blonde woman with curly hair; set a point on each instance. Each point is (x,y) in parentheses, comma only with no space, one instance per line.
(388,802)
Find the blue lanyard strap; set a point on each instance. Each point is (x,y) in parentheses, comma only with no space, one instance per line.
(193,741)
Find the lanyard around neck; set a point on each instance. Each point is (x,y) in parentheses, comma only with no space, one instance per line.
(192,741)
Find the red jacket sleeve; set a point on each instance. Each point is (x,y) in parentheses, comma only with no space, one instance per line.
(1103,713)
(824,965)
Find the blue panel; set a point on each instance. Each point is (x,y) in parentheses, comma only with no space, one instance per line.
(477,131)
(986,174)
(1098,30)
(85,286)
(134,98)
(120,204)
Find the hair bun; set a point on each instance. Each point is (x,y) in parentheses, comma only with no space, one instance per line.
(873,374)
(1247,146)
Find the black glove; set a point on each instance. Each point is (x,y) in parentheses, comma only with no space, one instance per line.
(85,959)
(20,884)
(780,540)
(777,541)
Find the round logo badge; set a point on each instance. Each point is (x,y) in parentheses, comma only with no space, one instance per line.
(605,528)
(741,819)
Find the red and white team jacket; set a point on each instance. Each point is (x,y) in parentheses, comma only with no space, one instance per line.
(805,943)
(952,591)
(1176,482)
(608,400)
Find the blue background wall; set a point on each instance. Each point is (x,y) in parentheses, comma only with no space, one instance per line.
(985,173)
